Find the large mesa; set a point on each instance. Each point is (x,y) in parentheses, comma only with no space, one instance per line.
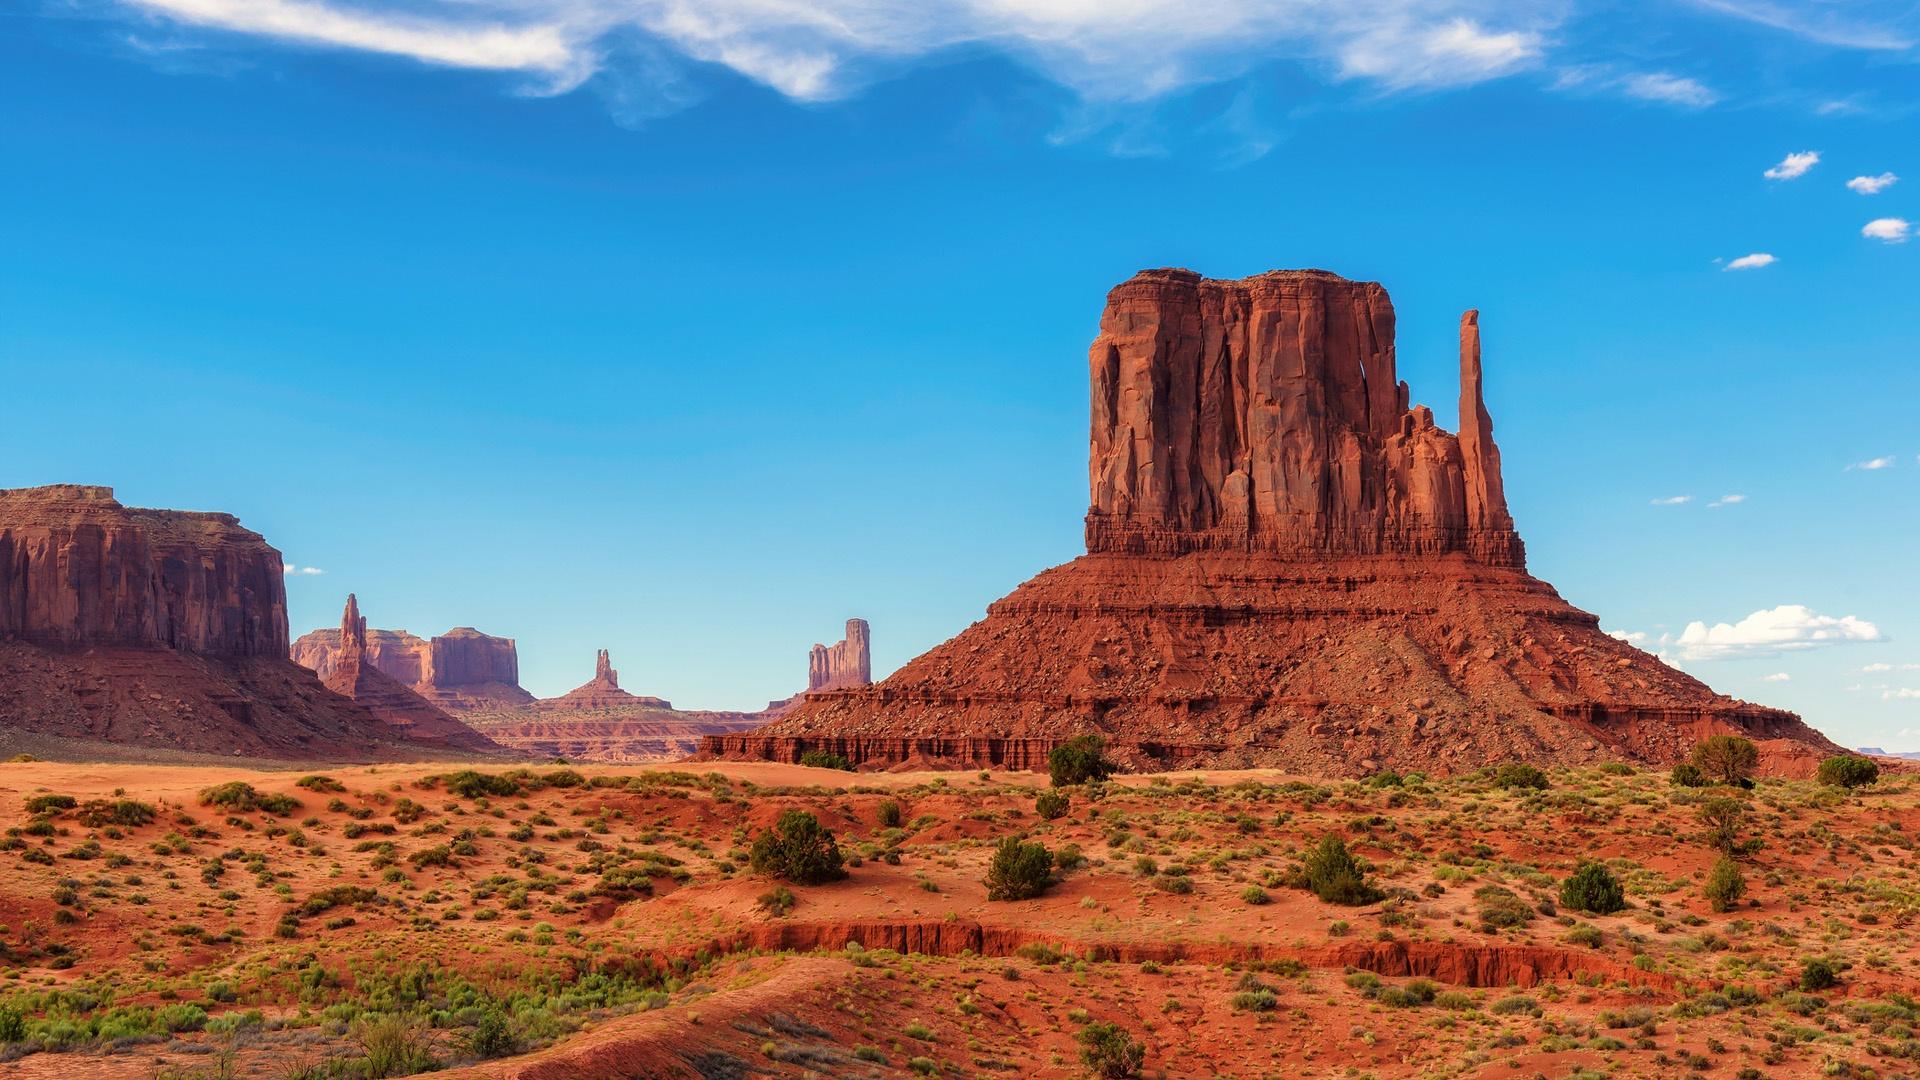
(1288,564)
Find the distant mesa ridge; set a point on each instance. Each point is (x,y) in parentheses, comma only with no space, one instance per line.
(1288,565)
(353,674)
(160,629)
(462,669)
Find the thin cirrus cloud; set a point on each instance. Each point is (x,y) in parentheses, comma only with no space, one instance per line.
(304,571)
(1872,185)
(1104,50)
(1726,500)
(1755,261)
(1872,464)
(1794,166)
(1671,500)
(1887,230)
(1778,676)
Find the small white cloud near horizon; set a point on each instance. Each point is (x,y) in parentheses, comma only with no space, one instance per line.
(1872,185)
(305,571)
(1887,230)
(1726,500)
(1778,676)
(1631,637)
(1751,262)
(1794,166)
(1877,667)
(1772,631)
(1672,500)
(1904,693)
(1872,464)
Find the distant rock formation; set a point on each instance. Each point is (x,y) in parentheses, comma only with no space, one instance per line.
(462,669)
(352,674)
(847,662)
(601,692)
(159,629)
(1288,565)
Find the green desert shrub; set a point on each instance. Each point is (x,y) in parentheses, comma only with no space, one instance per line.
(317,782)
(1518,775)
(798,849)
(1500,908)
(1722,819)
(1819,974)
(1052,804)
(471,784)
(1079,760)
(888,814)
(1725,884)
(1108,1051)
(48,804)
(1019,870)
(822,759)
(1726,759)
(241,797)
(101,813)
(1849,771)
(1334,875)
(1592,888)
(1687,774)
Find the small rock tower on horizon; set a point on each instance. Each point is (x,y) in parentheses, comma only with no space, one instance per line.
(844,664)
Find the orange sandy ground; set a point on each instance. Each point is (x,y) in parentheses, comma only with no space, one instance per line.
(1003,987)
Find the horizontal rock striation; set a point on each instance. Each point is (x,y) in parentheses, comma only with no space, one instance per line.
(78,568)
(161,629)
(1288,566)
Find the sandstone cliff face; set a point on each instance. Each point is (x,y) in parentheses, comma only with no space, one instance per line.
(353,675)
(1265,414)
(847,662)
(462,669)
(1288,565)
(159,629)
(78,568)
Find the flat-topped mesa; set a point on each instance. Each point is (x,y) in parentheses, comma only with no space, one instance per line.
(460,669)
(77,568)
(846,663)
(1265,415)
(353,674)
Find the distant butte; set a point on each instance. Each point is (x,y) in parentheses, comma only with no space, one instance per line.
(460,670)
(352,674)
(601,692)
(1288,565)
(158,629)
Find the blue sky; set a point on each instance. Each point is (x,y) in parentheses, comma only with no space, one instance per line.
(690,330)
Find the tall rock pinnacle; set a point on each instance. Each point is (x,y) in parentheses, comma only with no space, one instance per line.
(846,663)
(1486,493)
(603,670)
(353,625)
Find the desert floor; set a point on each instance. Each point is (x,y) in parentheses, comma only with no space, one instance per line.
(600,921)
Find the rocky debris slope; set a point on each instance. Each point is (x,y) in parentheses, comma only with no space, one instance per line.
(1288,565)
(163,629)
(461,669)
(353,675)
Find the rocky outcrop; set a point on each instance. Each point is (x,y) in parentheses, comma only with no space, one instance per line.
(160,629)
(632,735)
(462,669)
(353,675)
(1265,415)
(78,568)
(602,692)
(1288,565)
(847,662)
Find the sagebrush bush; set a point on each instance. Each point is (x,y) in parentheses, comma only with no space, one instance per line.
(1334,875)
(1018,870)
(1518,775)
(798,849)
(1849,771)
(1726,759)
(1079,760)
(1051,804)
(1687,774)
(1108,1051)
(1592,888)
(1725,884)
(821,759)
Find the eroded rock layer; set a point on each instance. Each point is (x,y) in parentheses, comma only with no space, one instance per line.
(160,629)
(847,662)
(600,693)
(353,675)
(462,669)
(1288,565)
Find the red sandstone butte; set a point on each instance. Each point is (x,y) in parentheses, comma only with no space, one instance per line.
(158,629)
(846,663)
(601,692)
(1288,564)
(462,669)
(352,674)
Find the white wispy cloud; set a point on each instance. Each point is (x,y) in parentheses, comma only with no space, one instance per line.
(1872,185)
(1770,632)
(305,571)
(1794,166)
(1890,230)
(1903,693)
(1672,500)
(1872,464)
(1668,89)
(1726,500)
(1843,26)
(1751,262)
(1778,676)
(1631,637)
(1877,667)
